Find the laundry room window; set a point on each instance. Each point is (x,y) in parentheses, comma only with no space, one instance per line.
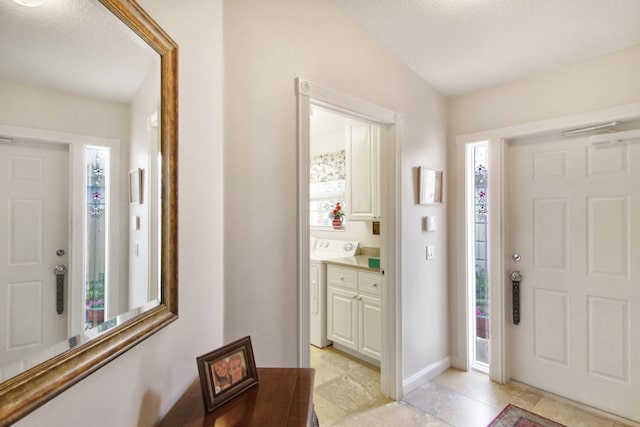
(327,187)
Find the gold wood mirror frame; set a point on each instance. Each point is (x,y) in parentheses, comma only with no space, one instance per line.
(25,392)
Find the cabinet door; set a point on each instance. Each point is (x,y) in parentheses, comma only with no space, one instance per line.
(363,166)
(341,317)
(369,326)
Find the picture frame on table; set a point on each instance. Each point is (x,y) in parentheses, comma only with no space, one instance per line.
(226,372)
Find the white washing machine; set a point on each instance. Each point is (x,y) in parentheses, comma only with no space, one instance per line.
(323,250)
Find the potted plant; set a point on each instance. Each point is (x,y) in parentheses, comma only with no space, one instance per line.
(337,215)
(482,303)
(482,323)
(95,302)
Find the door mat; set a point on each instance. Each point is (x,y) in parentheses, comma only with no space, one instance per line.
(513,416)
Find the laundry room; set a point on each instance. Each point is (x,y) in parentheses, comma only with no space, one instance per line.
(344,210)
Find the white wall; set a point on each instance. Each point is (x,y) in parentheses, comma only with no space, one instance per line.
(268,44)
(600,83)
(142,384)
(62,111)
(143,142)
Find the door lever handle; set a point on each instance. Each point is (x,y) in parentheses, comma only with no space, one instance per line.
(59,271)
(516,278)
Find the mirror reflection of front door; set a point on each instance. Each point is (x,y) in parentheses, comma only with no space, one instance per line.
(575,221)
(34,221)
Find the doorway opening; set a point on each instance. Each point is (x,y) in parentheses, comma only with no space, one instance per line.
(344,203)
(380,222)
(477,254)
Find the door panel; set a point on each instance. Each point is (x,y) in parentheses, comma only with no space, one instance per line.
(575,220)
(34,222)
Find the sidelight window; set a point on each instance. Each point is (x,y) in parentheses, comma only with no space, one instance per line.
(97,202)
(478,174)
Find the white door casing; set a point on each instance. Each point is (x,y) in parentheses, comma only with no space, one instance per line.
(390,122)
(574,215)
(34,202)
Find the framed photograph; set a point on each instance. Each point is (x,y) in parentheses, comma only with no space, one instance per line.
(135,186)
(430,186)
(226,372)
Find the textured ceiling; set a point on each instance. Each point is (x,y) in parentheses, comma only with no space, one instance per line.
(460,46)
(72,45)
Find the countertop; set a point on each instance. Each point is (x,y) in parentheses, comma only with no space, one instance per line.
(358,261)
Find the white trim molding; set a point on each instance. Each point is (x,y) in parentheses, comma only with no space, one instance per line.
(307,94)
(344,103)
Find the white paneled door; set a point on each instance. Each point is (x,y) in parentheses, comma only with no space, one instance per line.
(574,217)
(34,223)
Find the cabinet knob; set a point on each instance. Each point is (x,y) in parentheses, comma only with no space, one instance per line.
(359,298)
(342,278)
(354,297)
(375,285)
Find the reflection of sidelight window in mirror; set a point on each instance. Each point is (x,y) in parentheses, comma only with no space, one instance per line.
(97,200)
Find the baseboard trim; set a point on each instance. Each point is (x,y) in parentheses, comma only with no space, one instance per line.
(368,359)
(424,375)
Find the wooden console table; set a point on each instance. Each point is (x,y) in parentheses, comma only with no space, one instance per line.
(283,397)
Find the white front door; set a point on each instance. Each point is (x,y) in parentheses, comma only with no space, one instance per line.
(574,217)
(34,222)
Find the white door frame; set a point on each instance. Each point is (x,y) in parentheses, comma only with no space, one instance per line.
(77,195)
(499,369)
(308,93)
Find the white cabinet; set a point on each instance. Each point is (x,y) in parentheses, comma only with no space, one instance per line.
(342,317)
(354,310)
(369,326)
(363,172)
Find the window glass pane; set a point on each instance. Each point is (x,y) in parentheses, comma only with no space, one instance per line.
(481,247)
(321,212)
(96,243)
(327,183)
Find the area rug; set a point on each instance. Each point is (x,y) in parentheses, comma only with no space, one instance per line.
(513,416)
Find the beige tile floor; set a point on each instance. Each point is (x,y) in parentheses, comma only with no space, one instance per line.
(343,386)
(347,394)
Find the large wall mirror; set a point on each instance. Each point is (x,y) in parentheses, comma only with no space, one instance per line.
(88,208)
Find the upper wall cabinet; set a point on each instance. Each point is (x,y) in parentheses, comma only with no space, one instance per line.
(363,171)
